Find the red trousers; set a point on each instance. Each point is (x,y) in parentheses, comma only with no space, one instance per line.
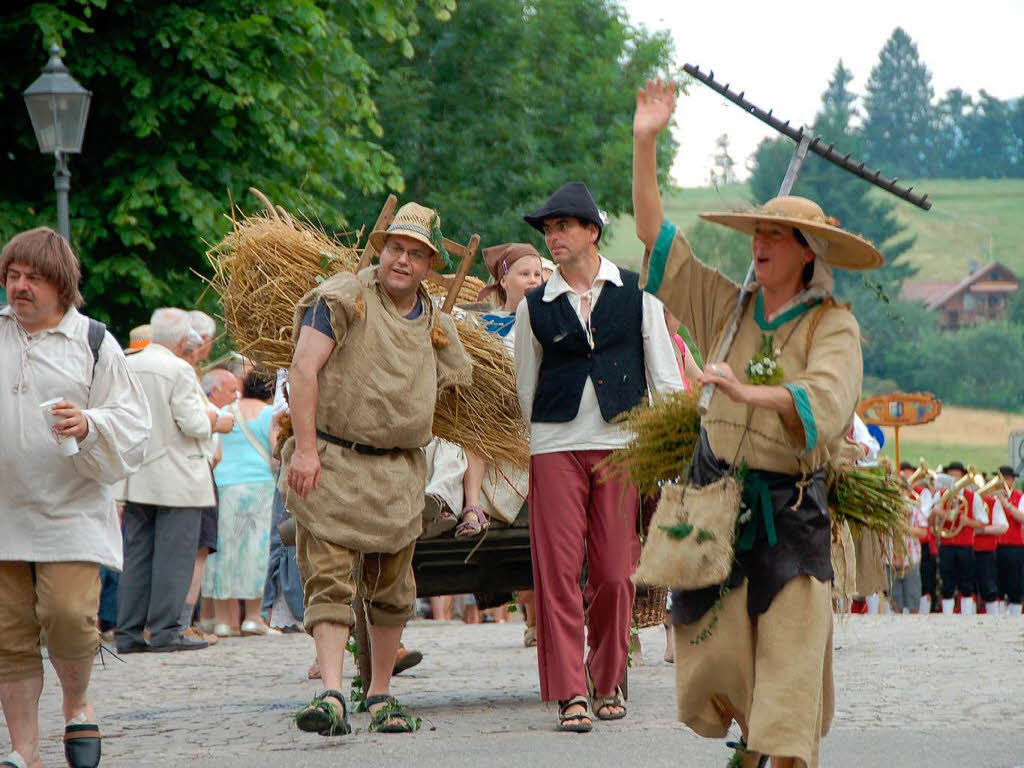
(573,514)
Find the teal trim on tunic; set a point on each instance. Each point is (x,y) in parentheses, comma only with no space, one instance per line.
(659,257)
(803,409)
(782,319)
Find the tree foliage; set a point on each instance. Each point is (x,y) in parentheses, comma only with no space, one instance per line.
(193,102)
(898,127)
(508,101)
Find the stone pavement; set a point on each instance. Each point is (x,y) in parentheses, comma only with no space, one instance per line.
(912,691)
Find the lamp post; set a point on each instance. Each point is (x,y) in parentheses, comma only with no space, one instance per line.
(58,106)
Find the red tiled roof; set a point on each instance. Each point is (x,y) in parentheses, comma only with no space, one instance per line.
(924,290)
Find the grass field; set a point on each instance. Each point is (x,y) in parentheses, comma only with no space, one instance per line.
(978,220)
(975,437)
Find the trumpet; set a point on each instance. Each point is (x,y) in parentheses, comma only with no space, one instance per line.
(986,489)
(952,515)
(921,471)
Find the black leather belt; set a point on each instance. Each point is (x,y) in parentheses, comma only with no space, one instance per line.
(352,445)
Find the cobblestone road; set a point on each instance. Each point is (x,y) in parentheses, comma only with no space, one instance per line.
(912,691)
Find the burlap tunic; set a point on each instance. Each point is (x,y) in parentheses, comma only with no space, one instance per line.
(378,388)
(766,664)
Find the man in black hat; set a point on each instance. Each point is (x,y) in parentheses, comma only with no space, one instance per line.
(588,342)
(956,553)
(1010,554)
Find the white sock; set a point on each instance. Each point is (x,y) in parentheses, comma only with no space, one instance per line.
(947,605)
(992,608)
(967,605)
(1015,609)
(872,602)
(926,604)
(79,719)
(17,759)
(906,611)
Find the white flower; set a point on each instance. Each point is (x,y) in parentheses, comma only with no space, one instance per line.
(758,368)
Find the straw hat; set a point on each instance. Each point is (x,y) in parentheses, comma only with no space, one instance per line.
(139,338)
(845,249)
(418,222)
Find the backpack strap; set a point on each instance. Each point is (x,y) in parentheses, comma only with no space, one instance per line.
(97,332)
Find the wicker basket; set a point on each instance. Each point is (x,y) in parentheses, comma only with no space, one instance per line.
(649,608)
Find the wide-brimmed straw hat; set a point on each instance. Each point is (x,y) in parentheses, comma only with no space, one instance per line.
(845,249)
(418,222)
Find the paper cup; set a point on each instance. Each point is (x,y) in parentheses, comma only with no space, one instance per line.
(68,446)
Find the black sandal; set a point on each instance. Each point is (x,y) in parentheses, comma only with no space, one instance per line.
(321,716)
(82,745)
(565,720)
(381,721)
(740,747)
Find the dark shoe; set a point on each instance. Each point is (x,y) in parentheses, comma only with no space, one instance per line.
(82,745)
(406,660)
(180,643)
(132,646)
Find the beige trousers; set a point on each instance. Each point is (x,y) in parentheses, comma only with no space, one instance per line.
(772,674)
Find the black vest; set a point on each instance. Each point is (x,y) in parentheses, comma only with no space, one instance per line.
(615,364)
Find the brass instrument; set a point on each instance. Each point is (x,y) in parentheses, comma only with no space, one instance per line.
(921,471)
(986,488)
(951,514)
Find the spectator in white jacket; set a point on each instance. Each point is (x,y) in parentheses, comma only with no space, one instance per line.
(164,499)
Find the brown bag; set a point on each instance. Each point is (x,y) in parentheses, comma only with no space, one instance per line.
(697,549)
(286,530)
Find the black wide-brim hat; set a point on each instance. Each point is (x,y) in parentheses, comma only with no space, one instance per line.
(1007,470)
(955,465)
(574,200)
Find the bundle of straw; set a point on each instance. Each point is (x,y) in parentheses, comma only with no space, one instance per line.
(665,434)
(269,261)
(868,497)
(485,417)
(261,270)
(468,291)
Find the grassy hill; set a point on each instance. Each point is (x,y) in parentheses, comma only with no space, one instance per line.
(978,219)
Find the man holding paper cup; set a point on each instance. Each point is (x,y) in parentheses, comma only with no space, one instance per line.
(74,422)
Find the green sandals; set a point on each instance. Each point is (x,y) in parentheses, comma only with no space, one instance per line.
(321,716)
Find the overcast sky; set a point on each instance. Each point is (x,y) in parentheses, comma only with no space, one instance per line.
(783,58)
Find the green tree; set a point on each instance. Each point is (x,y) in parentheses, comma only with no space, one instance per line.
(858,208)
(899,121)
(952,134)
(510,100)
(194,102)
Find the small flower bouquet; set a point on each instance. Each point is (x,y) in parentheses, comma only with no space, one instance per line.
(763,367)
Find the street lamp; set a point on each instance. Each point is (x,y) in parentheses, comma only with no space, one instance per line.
(58,106)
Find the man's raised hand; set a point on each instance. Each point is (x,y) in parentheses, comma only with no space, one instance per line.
(654,106)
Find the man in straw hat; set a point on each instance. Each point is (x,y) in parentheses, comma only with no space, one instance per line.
(588,342)
(767,661)
(371,354)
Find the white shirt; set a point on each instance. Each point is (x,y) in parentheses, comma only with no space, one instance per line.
(861,436)
(589,431)
(55,508)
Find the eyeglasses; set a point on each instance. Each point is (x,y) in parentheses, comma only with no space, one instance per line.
(416,254)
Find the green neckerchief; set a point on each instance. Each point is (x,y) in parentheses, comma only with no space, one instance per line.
(782,319)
